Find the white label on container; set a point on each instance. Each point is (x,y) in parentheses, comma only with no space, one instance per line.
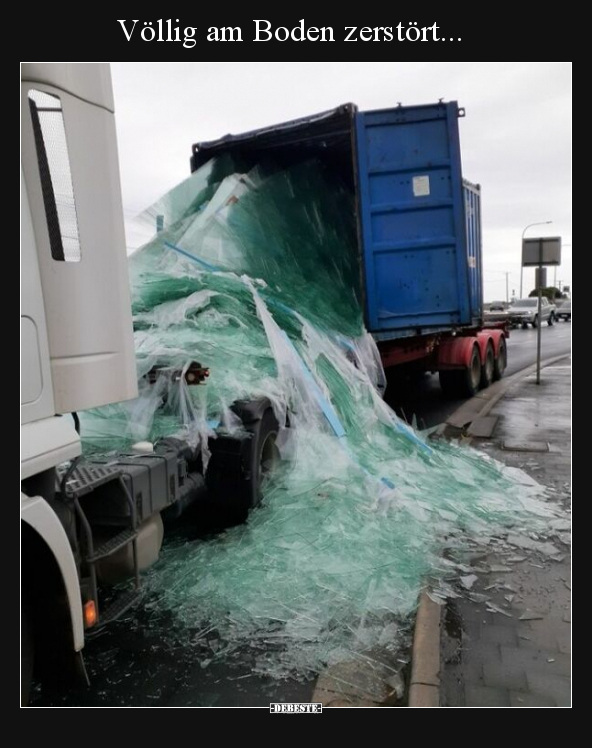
(472,262)
(421,186)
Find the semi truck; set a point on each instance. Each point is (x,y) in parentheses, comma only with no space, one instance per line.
(87,523)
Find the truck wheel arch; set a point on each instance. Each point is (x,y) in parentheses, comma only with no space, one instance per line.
(455,353)
(42,534)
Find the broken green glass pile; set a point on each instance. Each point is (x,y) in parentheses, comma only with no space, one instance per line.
(256,276)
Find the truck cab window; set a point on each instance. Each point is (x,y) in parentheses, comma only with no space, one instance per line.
(56,178)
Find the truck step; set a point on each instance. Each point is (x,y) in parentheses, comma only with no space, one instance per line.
(112,545)
(118,607)
(85,478)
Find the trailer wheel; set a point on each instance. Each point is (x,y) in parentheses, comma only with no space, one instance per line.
(463,382)
(501,361)
(488,367)
(470,376)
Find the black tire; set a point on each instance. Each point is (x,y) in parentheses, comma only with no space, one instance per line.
(535,321)
(27,657)
(525,325)
(238,466)
(471,378)
(265,454)
(488,367)
(465,382)
(501,361)
(551,320)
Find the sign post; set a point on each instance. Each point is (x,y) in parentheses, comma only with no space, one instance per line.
(540,252)
(540,325)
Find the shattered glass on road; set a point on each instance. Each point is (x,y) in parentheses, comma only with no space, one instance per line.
(256,277)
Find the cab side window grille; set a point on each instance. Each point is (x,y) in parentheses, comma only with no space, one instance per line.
(56,177)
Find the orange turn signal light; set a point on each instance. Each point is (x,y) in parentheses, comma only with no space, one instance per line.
(90,613)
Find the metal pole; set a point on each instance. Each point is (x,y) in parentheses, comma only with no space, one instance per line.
(530,225)
(507,289)
(540,321)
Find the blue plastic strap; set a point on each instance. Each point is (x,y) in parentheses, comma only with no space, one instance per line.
(206,265)
(324,404)
(404,429)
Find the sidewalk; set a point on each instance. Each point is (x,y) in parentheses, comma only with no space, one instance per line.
(521,657)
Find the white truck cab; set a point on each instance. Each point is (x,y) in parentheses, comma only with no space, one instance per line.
(76,329)
(87,523)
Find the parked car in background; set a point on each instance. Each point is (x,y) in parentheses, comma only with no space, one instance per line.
(564,311)
(495,311)
(525,312)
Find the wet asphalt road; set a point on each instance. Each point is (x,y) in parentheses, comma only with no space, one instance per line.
(132,664)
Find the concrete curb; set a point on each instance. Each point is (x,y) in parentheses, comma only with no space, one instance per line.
(424,689)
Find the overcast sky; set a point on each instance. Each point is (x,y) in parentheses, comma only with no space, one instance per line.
(515,138)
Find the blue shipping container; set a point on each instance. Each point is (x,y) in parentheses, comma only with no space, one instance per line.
(421,259)
(419,222)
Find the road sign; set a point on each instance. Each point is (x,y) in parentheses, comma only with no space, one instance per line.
(538,252)
(541,251)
